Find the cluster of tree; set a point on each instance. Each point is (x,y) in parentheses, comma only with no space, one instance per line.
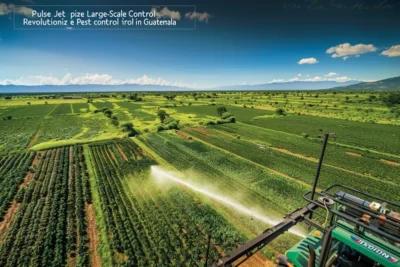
(167,122)
(392,99)
(170,97)
(128,128)
(108,113)
(6,118)
(226,117)
(135,97)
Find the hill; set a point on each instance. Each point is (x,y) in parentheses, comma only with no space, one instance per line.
(387,84)
(298,85)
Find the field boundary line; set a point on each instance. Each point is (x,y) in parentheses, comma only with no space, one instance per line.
(33,140)
(150,152)
(311,159)
(335,143)
(48,115)
(255,163)
(104,250)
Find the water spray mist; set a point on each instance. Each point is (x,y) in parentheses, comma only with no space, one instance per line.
(160,173)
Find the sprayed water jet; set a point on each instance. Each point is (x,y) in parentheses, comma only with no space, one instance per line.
(162,174)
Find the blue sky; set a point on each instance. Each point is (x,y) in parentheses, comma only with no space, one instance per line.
(243,42)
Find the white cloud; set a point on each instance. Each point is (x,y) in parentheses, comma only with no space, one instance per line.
(314,79)
(310,60)
(299,75)
(21,10)
(202,17)
(166,13)
(394,51)
(100,79)
(331,74)
(347,50)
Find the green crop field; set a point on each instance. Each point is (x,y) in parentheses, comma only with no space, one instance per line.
(159,179)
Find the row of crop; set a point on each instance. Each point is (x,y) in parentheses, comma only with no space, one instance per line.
(40,234)
(62,109)
(12,172)
(123,237)
(130,149)
(15,135)
(296,167)
(358,134)
(29,111)
(228,173)
(168,234)
(274,192)
(335,155)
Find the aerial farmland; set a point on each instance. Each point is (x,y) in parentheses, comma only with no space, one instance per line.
(83,178)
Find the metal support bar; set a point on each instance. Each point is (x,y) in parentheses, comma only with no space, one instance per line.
(321,158)
(326,245)
(265,238)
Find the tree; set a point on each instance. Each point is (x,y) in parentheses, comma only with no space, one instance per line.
(162,114)
(45,103)
(115,122)
(391,100)
(123,95)
(29,103)
(108,113)
(280,111)
(221,110)
(371,98)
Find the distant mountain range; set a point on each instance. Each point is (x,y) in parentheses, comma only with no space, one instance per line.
(87,88)
(387,84)
(298,85)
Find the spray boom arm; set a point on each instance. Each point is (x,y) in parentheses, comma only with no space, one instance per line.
(248,249)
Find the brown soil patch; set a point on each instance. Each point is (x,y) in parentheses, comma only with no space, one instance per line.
(71,262)
(8,218)
(181,134)
(256,260)
(29,176)
(120,257)
(150,157)
(113,156)
(200,130)
(295,154)
(353,154)
(122,152)
(389,162)
(32,141)
(93,236)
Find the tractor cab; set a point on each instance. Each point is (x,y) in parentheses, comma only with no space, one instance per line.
(355,233)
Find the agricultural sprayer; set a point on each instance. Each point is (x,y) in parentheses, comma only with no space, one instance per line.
(356,229)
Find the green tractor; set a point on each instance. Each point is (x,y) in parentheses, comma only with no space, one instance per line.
(353,231)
